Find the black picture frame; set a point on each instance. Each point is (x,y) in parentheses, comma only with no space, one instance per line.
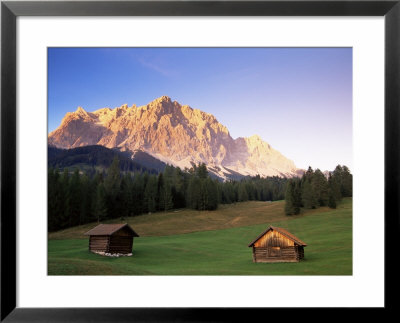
(10,10)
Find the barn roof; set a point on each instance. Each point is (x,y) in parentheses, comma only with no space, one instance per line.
(109,229)
(287,234)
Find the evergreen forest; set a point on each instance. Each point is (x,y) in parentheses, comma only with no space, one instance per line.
(76,197)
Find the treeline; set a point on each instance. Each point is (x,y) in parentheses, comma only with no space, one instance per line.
(77,198)
(314,189)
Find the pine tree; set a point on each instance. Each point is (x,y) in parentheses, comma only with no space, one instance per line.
(226,193)
(297,196)
(85,202)
(59,200)
(201,171)
(347,182)
(334,192)
(52,199)
(138,194)
(112,184)
(309,173)
(203,198)
(194,193)
(250,189)
(331,201)
(150,194)
(292,197)
(242,192)
(126,197)
(308,199)
(335,183)
(289,198)
(178,188)
(74,199)
(320,188)
(211,192)
(169,172)
(160,186)
(100,206)
(63,190)
(113,179)
(166,197)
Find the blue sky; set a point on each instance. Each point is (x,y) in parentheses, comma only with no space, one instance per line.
(299,100)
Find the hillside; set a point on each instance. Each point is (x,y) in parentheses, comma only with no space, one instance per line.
(88,157)
(186,221)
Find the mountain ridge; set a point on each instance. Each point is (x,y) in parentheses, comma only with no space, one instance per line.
(173,133)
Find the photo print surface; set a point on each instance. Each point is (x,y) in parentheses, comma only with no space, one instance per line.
(200,161)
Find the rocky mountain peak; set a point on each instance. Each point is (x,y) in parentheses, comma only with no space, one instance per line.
(81,112)
(174,133)
(163,98)
(255,138)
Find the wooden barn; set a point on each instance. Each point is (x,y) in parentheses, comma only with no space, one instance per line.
(277,245)
(111,238)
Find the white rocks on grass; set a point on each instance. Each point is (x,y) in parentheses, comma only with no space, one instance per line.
(102,253)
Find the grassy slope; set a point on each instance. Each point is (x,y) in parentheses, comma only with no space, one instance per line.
(328,234)
(187,220)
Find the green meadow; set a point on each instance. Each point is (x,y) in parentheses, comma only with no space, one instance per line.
(188,242)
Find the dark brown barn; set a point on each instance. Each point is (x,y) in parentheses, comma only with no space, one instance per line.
(277,245)
(111,238)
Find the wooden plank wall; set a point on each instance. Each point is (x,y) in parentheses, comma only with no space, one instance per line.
(287,254)
(121,244)
(98,243)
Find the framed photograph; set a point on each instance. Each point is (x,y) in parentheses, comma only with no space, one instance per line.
(195,159)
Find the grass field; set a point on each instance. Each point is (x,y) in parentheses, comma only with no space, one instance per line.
(213,243)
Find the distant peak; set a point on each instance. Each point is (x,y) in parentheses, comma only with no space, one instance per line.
(257,137)
(81,112)
(163,98)
(256,140)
